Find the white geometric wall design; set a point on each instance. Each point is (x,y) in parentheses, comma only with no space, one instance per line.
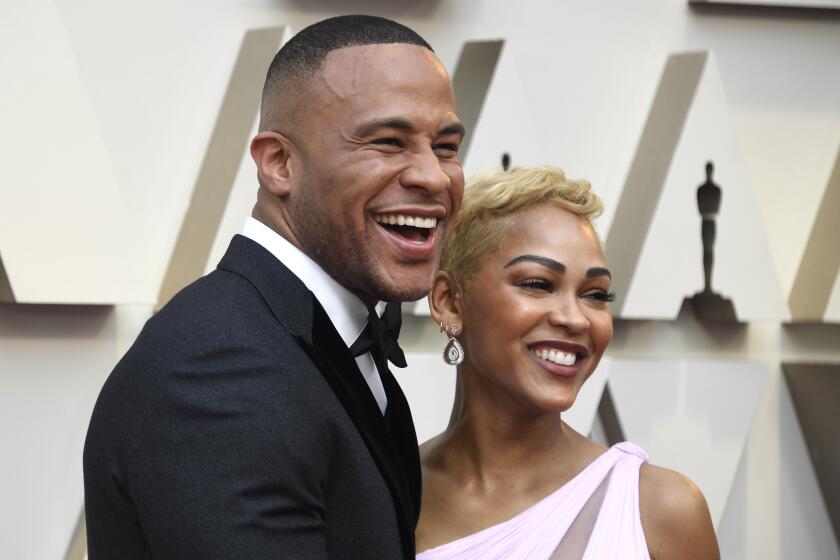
(682,412)
(669,264)
(64,231)
(222,161)
(243,193)
(506,122)
(796,528)
(243,196)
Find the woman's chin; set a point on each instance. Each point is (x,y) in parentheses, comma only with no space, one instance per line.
(556,403)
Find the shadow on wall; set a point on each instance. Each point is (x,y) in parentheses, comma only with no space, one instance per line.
(731,9)
(19,320)
(815,393)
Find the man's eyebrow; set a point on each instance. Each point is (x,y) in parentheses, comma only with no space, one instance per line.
(544,261)
(370,127)
(454,128)
(598,271)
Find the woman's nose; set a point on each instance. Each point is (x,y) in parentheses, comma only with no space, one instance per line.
(567,313)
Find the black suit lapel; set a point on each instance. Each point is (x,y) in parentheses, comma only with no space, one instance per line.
(297,309)
(401,427)
(340,371)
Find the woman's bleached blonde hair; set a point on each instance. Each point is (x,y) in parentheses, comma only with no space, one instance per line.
(491,202)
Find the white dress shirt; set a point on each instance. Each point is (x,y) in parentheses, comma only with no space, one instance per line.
(347,312)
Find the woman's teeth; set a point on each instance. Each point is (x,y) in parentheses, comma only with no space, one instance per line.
(403,220)
(556,356)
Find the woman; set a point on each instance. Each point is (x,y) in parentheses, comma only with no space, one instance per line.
(523,294)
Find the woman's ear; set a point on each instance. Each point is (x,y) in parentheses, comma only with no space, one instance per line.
(445,301)
(271,152)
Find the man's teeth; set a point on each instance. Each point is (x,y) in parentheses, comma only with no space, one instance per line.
(556,356)
(402,220)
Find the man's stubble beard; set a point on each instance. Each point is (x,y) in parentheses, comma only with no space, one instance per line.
(351,266)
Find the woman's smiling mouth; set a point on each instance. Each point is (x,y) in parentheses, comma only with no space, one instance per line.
(559,358)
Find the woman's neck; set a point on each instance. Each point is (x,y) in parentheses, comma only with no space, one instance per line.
(490,441)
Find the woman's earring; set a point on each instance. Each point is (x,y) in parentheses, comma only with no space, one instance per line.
(453,354)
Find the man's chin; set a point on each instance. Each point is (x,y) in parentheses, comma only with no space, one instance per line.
(401,293)
(404,287)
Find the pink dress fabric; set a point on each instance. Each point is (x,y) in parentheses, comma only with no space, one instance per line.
(595,515)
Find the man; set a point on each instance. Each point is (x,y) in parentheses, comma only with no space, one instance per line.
(240,424)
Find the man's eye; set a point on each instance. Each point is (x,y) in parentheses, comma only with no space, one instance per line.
(447,150)
(396,142)
(536,284)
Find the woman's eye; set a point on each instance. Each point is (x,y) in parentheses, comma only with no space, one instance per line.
(601,295)
(537,284)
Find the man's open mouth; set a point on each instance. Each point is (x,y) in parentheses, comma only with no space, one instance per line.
(412,228)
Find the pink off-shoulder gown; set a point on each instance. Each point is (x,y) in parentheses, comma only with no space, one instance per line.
(595,515)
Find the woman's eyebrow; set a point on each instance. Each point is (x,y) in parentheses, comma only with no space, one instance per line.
(598,271)
(544,261)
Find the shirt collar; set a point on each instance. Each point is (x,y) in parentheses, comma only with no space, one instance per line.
(346,311)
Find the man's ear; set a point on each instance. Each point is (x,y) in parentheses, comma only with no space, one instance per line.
(445,301)
(271,152)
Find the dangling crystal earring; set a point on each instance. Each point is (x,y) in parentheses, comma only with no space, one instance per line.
(453,353)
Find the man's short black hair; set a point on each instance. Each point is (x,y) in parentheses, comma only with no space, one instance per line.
(302,56)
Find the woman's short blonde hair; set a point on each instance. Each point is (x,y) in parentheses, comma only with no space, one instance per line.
(491,202)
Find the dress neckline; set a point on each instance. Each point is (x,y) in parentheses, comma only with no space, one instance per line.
(620,447)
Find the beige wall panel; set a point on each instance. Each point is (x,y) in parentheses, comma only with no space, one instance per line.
(819,272)
(5,288)
(64,230)
(692,416)
(221,161)
(789,156)
(243,196)
(53,361)
(669,266)
(477,66)
(155,74)
(832,311)
(507,122)
(646,178)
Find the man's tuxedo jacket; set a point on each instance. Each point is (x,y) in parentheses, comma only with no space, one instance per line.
(239,426)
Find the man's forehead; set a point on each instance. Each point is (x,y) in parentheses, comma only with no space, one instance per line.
(353,66)
(361,84)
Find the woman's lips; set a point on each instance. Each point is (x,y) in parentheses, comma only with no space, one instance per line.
(558,369)
(559,357)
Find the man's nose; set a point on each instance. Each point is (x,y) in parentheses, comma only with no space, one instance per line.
(426,172)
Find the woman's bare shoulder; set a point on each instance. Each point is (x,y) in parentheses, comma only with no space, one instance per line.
(675,516)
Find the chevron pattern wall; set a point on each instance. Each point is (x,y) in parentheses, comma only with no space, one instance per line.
(746,408)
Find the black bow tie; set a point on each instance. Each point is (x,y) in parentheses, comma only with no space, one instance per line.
(380,337)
